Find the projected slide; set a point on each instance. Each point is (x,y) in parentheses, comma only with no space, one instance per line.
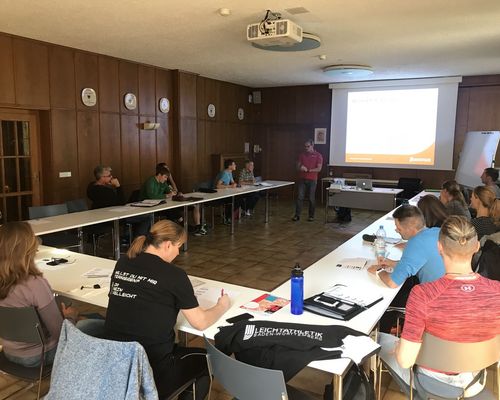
(392,126)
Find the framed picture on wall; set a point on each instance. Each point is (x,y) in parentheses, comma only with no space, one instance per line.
(319,135)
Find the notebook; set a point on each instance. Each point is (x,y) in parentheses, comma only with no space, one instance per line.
(148,203)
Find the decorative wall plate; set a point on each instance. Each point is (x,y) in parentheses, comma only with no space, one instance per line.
(241,114)
(211,110)
(164,105)
(89,97)
(130,101)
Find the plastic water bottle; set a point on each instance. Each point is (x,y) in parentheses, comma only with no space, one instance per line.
(380,242)
(297,305)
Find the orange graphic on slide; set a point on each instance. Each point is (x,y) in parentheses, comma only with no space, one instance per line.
(425,157)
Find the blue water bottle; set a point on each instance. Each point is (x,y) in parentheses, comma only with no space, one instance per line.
(297,305)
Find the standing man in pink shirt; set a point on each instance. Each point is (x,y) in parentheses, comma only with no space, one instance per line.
(309,165)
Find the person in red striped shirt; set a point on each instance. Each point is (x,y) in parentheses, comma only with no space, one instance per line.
(462,306)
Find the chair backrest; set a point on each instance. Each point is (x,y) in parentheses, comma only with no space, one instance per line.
(47,211)
(135,196)
(90,368)
(21,324)
(410,186)
(77,205)
(244,381)
(443,355)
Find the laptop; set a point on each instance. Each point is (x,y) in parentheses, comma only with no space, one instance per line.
(365,184)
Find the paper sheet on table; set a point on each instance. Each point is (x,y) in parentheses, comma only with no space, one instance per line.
(357,263)
(356,348)
(265,184)
(98,273)
(196,282)
(208,295)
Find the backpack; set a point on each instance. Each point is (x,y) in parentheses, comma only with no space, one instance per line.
(355,386)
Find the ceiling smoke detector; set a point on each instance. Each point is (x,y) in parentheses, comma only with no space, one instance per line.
(348,71)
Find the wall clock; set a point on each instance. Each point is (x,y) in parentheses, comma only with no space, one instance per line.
(164,105)
(130,101)
(89,97)
(211,110)
(241,114)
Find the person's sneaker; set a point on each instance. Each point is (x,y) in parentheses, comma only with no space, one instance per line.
(197,232)
(248,213)
(227,221)
(295,218)
(203,230)
(310,219)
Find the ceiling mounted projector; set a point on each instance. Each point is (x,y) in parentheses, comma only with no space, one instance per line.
(281,32)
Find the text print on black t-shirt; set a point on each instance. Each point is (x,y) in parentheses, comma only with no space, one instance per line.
(116,290)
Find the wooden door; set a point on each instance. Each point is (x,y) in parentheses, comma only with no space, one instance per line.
(19,163)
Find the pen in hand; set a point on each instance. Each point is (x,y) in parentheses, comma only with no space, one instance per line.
(221,292)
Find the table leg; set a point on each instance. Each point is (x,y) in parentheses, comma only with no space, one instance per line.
(116,234)
(232,215)
(80,239)
(326,208)
(337,387)
(186,227)
(266,217)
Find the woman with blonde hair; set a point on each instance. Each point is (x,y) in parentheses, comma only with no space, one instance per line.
(452,198)
(462,306)
(147,292)
(23,285)
(487,206)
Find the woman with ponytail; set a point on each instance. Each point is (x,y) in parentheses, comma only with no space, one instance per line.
(487,206)
(146,294)
(452,198)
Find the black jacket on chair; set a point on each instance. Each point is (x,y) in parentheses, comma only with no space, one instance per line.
(285,346)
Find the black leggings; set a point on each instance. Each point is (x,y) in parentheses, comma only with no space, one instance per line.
(180,366)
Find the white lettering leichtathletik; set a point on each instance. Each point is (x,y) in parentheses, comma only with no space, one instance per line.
(249,330)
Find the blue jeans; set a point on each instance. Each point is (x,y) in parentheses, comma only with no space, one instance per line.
(303,185)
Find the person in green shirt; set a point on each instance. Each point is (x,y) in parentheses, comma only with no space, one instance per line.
(157,187)
(162,186)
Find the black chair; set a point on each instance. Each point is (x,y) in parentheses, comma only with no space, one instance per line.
(22,324)
(411,187)
(65,239)
(95,232)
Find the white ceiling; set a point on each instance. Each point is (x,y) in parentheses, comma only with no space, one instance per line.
(398,38)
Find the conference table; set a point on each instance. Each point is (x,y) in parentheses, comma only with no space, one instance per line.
(71,280)
(328,180)
(381,199)
(114,214)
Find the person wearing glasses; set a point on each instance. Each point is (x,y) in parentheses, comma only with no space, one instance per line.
(106,191)
(309,165)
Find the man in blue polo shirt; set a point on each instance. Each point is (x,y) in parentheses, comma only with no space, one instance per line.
(420,257)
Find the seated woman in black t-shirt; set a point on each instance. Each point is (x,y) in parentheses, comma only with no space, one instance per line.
(147,292)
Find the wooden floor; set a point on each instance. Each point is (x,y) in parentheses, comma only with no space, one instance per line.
(261,256)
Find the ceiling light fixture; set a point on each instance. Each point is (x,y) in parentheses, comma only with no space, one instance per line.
(224,12)
(309,42)
(348,71)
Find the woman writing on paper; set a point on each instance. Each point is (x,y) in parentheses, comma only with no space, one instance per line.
(462,306)
(147,292)
(23,285)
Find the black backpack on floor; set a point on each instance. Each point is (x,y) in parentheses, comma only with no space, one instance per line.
(355,386)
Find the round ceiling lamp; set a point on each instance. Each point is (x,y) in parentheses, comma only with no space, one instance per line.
(309,42)
(350,71)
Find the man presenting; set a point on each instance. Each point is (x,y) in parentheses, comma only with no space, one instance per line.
(420,256)
(309,165)
(489,178)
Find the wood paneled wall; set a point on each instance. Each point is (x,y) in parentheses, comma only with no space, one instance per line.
(288,116)
(49,78)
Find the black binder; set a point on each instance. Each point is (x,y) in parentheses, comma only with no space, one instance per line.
(333,307)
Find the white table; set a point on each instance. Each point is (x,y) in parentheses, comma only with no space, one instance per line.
(382,199)
(68,280)
(352,181)
(78,220)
